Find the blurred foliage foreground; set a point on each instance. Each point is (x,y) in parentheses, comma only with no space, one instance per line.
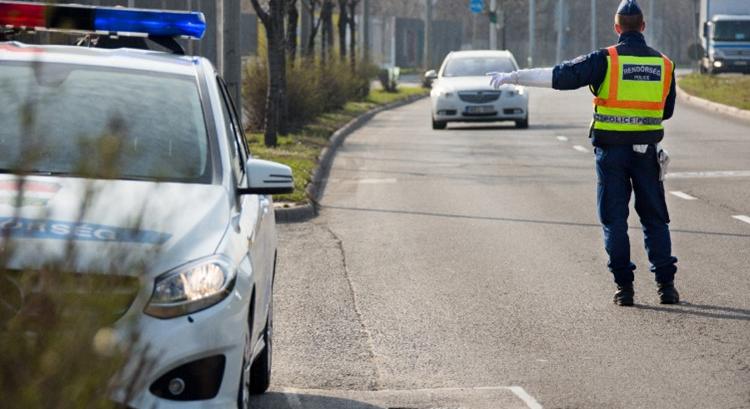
(59,348)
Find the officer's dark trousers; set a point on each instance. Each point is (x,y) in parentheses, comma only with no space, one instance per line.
(622,171)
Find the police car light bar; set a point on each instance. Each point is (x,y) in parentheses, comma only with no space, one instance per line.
(122,21)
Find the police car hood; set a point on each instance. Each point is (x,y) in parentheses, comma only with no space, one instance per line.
(112,226)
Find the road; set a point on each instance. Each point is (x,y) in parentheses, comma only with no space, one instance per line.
(465,269)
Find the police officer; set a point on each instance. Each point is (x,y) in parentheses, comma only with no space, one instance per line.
(634,91)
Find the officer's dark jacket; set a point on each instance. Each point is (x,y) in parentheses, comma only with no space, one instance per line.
(590,70)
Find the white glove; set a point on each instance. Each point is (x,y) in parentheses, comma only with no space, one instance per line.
(501,78)
(664,159)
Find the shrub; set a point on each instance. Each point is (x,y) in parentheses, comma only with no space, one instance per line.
(313,88)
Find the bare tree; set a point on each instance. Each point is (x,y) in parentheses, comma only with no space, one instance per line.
(272,18)
(343,23)
(311,6)
(326,15)
(353,32)
(291,29)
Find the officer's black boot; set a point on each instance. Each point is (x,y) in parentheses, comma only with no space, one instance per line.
(624,295)
(667,293)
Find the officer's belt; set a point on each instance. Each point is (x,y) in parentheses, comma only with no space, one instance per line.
(627,120)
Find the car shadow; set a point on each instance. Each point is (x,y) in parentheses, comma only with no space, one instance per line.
(701,310)
(516,220)
(280,400)
(509,126)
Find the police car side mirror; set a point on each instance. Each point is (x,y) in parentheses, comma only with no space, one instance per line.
(267,178)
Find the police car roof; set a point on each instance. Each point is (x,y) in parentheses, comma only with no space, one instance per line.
(128,58)
(481,53)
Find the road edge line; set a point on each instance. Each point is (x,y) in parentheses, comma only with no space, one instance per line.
(317,185)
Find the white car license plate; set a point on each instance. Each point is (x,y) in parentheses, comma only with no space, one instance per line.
(480,109)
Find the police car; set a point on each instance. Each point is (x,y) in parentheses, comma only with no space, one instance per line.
(461,91)
(150,141)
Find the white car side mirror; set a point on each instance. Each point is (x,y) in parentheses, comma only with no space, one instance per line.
(267,178)
(431,75)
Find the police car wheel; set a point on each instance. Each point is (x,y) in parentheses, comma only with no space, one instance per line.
(260,371)
(438,125)
(523,123)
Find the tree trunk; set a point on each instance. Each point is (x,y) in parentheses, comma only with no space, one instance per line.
(343,22)
(276,104)
(314,26)
(353,33)
(326,16)
(291,30)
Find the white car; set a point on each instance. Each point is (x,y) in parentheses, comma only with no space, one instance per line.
(181,202)
(461,90)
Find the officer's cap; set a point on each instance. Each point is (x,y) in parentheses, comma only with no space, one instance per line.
(629,8)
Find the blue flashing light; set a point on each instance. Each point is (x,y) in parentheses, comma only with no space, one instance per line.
(153,23)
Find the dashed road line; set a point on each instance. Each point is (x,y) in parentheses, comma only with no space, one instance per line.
(682,195)
(709,174)
(580,148)
(742,218)
(525,397)
(562,138)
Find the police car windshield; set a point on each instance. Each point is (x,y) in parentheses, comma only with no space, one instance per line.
(732,31)
(476,66)
(63,119)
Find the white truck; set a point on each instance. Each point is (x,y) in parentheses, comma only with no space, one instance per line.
(725,36)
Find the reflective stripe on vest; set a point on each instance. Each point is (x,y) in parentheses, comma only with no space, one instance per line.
(633,94)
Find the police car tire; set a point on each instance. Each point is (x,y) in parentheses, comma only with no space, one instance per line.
(523,123)
(438,125)
(260,371)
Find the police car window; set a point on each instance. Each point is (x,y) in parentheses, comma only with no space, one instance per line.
(231,131)
(102,123)
(476,66)
(237,123)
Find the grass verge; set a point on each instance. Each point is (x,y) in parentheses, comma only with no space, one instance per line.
(733,90)
(300,150)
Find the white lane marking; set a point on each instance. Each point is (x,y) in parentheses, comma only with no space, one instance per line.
(711,174)
(562,138)
(742,218)
(293,400)
(580,148)
(525,397)
(292,397)
(682,195)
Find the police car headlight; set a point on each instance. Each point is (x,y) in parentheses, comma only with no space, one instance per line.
(191,288)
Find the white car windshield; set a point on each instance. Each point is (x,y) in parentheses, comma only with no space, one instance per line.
(102,123)
(477,66)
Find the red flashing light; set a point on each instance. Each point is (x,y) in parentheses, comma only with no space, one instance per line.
(22,15)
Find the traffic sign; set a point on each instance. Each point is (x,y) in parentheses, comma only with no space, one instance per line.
(477,6)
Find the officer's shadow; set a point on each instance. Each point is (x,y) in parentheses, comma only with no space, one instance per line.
(700,310)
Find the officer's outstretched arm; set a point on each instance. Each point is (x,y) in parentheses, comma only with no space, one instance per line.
(534,77)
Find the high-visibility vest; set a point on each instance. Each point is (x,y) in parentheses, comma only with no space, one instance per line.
(633,94)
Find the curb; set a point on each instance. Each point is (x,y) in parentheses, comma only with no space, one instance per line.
(317,185)
(713,106)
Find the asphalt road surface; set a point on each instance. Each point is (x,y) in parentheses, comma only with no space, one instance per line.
(465,269)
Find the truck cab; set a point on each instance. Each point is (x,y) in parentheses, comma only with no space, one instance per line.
(725,36)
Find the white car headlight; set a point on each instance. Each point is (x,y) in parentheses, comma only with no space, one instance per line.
(191,288)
